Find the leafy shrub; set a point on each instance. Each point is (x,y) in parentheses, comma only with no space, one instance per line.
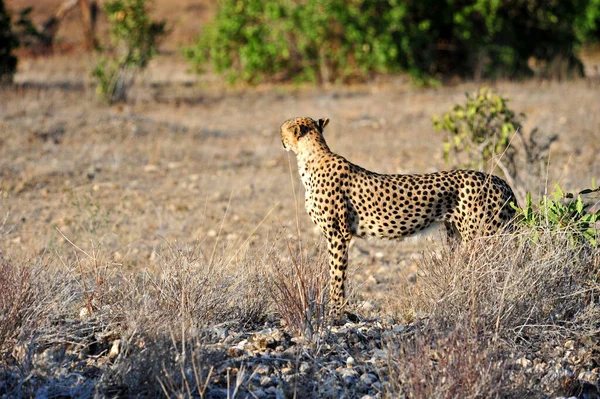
(563,212)
(135,40)
(485,132)
(317,40)
(478,130)
(587,25)
(8,42)
(341,40)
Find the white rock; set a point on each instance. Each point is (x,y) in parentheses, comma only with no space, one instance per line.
(524,362)
(368,378)
(304,367)
(114,349)
(350,362)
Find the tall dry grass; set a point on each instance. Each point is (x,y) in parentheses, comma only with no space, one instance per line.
(299,291)
(490,300)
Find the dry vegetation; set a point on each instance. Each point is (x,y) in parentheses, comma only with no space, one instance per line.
(160,247)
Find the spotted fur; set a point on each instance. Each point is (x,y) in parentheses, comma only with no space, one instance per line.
(345,200)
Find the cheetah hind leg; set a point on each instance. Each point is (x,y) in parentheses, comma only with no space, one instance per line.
(453,237)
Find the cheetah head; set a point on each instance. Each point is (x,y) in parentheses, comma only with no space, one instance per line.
(294,131)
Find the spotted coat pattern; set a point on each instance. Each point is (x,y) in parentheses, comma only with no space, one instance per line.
(345,200)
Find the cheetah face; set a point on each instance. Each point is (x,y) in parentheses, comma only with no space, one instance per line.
(297,129)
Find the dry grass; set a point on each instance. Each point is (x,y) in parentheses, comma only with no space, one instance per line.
(435,363)
(299,291)
(186,289)
(497,298)
(17,300)
(204,169)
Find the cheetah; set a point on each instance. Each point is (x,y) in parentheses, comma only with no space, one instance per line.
(345,200)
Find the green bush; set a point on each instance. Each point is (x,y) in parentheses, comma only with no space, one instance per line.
(341,40)
(485,134)
(563,212)
(134,38)
(8,42)
(479,130)
(316,40)
(587,25)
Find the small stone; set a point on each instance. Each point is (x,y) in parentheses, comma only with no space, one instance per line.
(570,344)
(524,362)
(368,378)
(304,368)
(265,381)
(588,376)
(366,306)
(235,351)
(114,349)
(85,312)
(371,280)
(348,375)
(274,391)
(350,362)
(398,329)
(412,278)
(539,367)
(262,369)
(222,332)
(150,168)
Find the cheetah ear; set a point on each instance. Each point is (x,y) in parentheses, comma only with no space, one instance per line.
(322,123)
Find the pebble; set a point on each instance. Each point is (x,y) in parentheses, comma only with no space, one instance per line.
(114,349)
(350,362)
(368,379)
(266,381)
(348,375)
(524,362)
(275,391)
(304,368)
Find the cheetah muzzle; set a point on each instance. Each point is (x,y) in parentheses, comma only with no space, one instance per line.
(345,200)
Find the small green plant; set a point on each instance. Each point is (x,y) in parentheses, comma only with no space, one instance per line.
(563,212)
(479,130)
(8,42)
(134,38)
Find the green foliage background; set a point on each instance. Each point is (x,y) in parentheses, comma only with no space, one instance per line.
(8,41)
(341,40)
(134,38)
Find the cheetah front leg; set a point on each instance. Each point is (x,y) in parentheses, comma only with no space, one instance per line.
(337,246)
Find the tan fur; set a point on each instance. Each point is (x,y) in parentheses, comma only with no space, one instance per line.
(345,200)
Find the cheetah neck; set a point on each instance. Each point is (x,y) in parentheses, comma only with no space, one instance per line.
(309,159)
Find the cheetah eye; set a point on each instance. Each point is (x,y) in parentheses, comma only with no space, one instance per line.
(300,131)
